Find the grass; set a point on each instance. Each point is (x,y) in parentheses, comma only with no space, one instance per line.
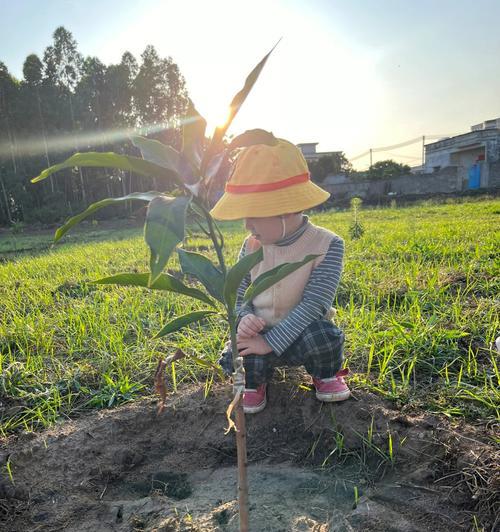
(417,302)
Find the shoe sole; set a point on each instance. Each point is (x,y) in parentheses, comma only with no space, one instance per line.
(255,409)
(332,398)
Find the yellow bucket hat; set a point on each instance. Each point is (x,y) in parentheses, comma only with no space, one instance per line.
(268,181)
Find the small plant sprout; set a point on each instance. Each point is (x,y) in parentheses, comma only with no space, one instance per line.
(370,445)
(339,448)
(390,446)
(356,498)
(356,229)
(8,467)
(191,172)
(370,432)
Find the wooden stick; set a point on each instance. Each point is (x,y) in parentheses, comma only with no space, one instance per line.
(241,446)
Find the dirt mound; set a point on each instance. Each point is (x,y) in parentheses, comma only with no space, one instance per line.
(356,465)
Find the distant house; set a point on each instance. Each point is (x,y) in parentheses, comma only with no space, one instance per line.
(309,152)
(475,156)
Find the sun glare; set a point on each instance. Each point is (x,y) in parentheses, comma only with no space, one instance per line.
(216,116)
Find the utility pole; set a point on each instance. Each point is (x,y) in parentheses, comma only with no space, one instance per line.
(423,152)
(371,162)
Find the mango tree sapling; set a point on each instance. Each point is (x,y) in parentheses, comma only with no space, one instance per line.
(191,171)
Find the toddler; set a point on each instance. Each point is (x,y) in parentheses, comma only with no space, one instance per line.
(289,323)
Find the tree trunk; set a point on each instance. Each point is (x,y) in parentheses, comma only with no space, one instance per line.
(124,191)
(6,199)
(130,189)
(82,182)
(44,135)
(11,145)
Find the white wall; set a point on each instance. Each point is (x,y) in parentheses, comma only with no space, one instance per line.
(437,158)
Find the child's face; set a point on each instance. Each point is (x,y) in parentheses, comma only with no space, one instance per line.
(266,230)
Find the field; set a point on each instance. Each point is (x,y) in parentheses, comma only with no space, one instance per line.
(418,303)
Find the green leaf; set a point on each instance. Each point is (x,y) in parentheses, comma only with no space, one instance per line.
(93,159)
(236,274)
(217,139)
(141,196)
(158,153)
(252,137)
(201,267)
(214,165)
(454,333)
(193,135)
(208,365)
(402,325)
(163,230)
(164,282)
(182,321)
(264,281)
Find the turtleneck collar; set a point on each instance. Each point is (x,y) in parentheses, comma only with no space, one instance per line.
(293,237)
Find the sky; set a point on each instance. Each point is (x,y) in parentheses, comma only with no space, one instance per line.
(348,74)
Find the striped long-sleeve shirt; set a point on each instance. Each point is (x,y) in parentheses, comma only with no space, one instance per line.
(317,298)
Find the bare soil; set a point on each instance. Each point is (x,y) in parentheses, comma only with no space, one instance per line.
(313,467)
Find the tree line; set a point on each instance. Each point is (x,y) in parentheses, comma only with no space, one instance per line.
(337,163)
(67,103)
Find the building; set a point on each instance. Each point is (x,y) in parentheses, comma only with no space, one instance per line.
(475,156)
(309,152)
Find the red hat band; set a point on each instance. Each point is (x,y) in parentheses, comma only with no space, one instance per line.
(266,187)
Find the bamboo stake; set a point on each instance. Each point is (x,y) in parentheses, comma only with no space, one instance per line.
(238,386)
(240,429)
(241,447)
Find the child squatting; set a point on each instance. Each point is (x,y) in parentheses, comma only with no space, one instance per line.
(289,323)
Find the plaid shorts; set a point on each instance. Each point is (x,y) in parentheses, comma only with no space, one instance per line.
(320,349)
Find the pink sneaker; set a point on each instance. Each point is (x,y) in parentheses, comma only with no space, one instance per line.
(254,400)
(332,389)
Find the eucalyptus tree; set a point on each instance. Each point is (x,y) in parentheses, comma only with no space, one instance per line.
(33,79)
(159,90)
(118,107)
(159,95)
(118,110)
(89,93)
(63,96)
(29,124)
(90,113)
(63,69)
(63,61)
(9,167)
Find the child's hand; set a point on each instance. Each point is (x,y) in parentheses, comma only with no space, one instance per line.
(256,345)
(250,325)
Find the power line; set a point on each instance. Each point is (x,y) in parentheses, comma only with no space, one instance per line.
(386,148)
(404,156)
(400,145)
(360,155)
(444,136)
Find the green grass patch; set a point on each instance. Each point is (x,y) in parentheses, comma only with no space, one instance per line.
(418,302)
